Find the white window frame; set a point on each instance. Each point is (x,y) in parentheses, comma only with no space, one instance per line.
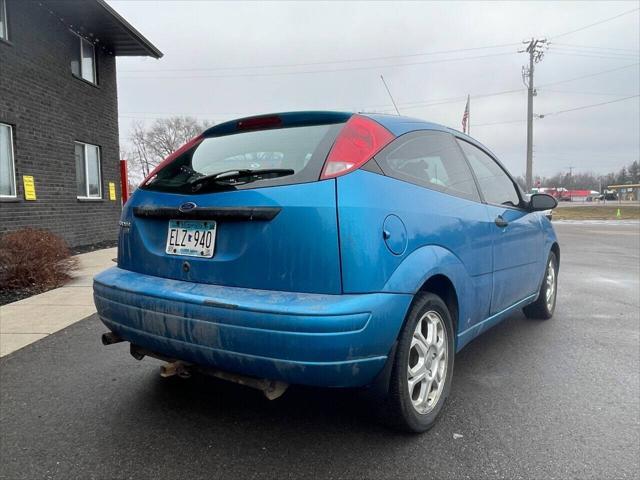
(93,62)
(4,16)
(87,195)
(13,162)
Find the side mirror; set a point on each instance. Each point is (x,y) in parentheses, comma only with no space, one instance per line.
(542,201)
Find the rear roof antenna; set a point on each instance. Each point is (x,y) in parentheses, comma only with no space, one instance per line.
(390,96)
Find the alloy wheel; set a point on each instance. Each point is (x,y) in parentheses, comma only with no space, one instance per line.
(550,290)
(427,366)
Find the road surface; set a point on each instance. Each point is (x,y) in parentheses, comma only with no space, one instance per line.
(530,399)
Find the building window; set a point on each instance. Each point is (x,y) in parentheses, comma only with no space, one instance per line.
(83,64)
(7,166)
(88,170)
(4,30)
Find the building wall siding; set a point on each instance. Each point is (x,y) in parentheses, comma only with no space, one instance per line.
(49,109)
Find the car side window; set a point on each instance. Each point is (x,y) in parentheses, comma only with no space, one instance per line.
(497,187)
(430,159)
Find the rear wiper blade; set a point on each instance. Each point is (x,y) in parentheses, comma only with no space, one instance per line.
(240,177)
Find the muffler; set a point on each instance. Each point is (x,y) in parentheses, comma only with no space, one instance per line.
(272,389)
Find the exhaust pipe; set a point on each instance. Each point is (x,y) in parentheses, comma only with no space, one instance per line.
(175,368)
(110,338)
(271,389)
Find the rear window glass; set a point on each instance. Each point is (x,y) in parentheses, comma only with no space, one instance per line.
(301,149)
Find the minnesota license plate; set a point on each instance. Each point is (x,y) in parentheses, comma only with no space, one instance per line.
(191,238)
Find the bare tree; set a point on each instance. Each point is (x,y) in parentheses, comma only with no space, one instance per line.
(592,181)
(148,146)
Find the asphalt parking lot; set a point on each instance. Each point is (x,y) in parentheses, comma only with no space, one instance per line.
(530,399)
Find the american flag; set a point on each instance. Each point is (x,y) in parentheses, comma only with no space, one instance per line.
(465,117)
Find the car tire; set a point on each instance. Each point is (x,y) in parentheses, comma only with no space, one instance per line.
(545,305)
(425,347)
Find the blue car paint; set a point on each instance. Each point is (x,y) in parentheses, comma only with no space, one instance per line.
(314,339)
(330,315)
(446,235)
(517,249)
(242,248)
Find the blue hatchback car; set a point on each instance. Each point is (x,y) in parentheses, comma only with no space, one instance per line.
(329,249)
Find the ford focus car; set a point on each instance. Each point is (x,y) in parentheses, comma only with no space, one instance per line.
(329,249)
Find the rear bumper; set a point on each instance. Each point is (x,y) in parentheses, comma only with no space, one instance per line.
(312,339)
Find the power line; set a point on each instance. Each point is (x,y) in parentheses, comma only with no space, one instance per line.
(589,75)
(573,92)
(587,106)
(558,112)
(589,47)
(442,101)
(409,104)
(594,24)
(594,52)
(404,105)
(270,74)
(326,62)
(497,123)
(594,55)
(434,103)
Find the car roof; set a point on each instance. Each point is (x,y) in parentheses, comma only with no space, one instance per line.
(396,124)
(399,125)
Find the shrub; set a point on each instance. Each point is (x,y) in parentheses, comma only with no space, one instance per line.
(35,259)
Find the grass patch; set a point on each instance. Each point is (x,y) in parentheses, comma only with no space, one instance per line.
(597,212)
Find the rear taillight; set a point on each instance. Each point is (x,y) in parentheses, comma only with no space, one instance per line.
(359,140)
(190,144)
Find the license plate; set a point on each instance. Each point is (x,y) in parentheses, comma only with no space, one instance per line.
(191,238)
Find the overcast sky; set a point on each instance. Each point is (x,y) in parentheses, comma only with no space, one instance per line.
(347,46)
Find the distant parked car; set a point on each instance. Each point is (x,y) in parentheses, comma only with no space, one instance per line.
(609,196)
(330,249)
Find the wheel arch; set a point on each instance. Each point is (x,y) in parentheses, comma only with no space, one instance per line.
(439,284)
(555,248)
(435,269)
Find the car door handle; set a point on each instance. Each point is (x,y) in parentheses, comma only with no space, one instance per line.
(501,222)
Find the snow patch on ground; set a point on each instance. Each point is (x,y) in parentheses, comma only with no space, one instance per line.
(597,222)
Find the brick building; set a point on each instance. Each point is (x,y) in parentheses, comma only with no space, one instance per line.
(59,159)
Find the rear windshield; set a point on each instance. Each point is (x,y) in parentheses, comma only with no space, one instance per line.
(301,149)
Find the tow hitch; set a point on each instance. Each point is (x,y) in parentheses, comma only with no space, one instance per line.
(271,389)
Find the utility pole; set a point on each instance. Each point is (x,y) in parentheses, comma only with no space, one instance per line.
(571,182)
(535,49)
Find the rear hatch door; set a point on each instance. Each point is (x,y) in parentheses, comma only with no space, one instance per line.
(265,231)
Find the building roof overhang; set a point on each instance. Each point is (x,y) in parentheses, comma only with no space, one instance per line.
(100,23)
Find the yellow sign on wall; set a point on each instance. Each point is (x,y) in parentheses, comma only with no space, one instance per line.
(112,191)
(29,187)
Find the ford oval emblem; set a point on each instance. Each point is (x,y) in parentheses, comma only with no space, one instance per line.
(186,207)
